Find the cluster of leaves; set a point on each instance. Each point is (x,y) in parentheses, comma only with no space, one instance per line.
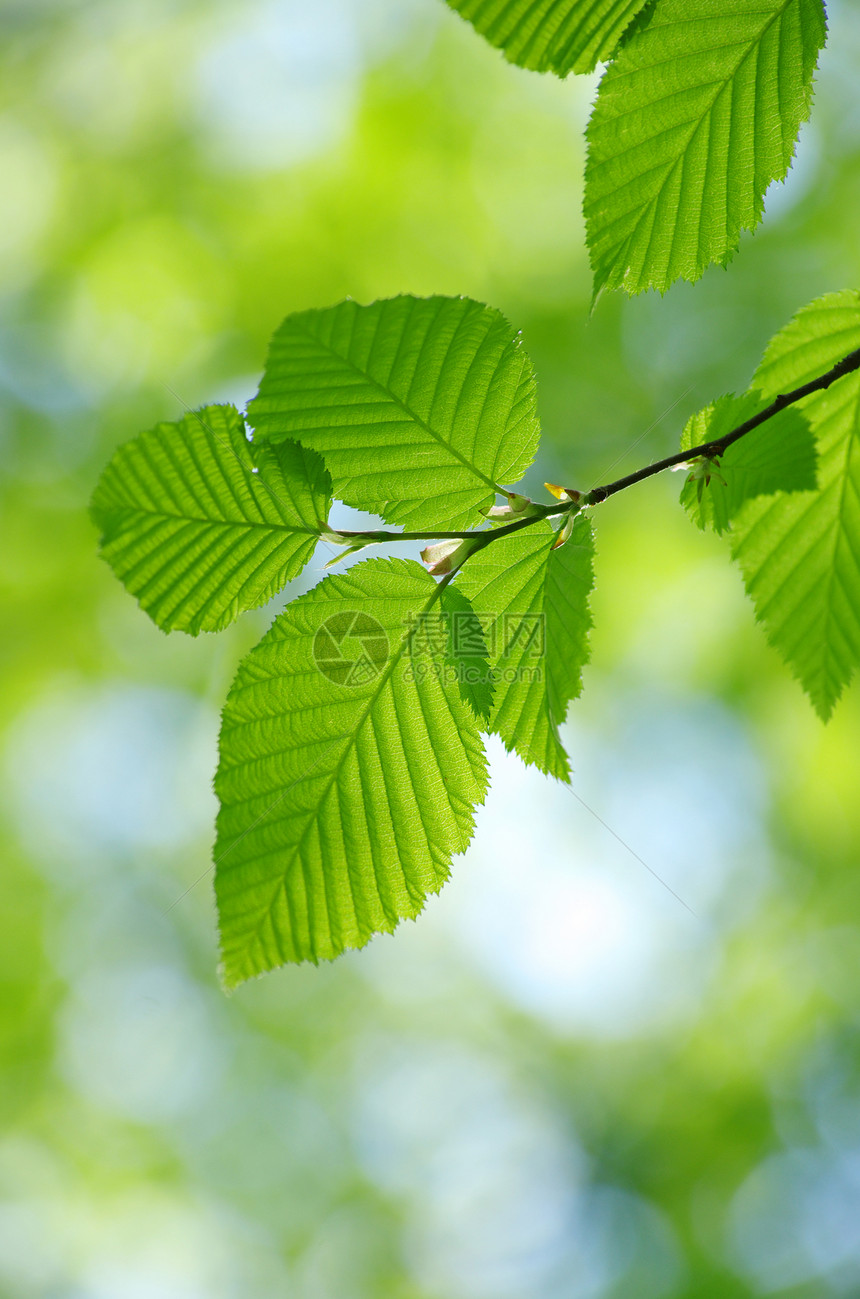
(351,758)
(344,794)
(697,113)
(790,499)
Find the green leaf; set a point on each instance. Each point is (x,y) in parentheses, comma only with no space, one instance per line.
(533,604)
(347,780)
(199,525)
(819,336)
(552,35)
(800,553)
(421,407)
(780,455)
(467,655)
(695,118)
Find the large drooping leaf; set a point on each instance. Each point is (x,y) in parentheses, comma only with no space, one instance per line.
(552,35)
(780,455)
(199,525)
(347,779)
(421,407)
(800,553)
(533,605)
(695,118)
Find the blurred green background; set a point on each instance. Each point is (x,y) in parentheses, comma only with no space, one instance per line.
(560,1083)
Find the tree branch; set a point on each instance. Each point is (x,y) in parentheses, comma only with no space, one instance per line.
(543,512)
(712,450)
(719,445)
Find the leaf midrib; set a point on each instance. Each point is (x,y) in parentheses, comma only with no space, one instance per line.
(696,123)
(351,738)
(194,518)
(407,410)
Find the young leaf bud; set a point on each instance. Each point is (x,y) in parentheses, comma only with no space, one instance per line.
(446,556)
